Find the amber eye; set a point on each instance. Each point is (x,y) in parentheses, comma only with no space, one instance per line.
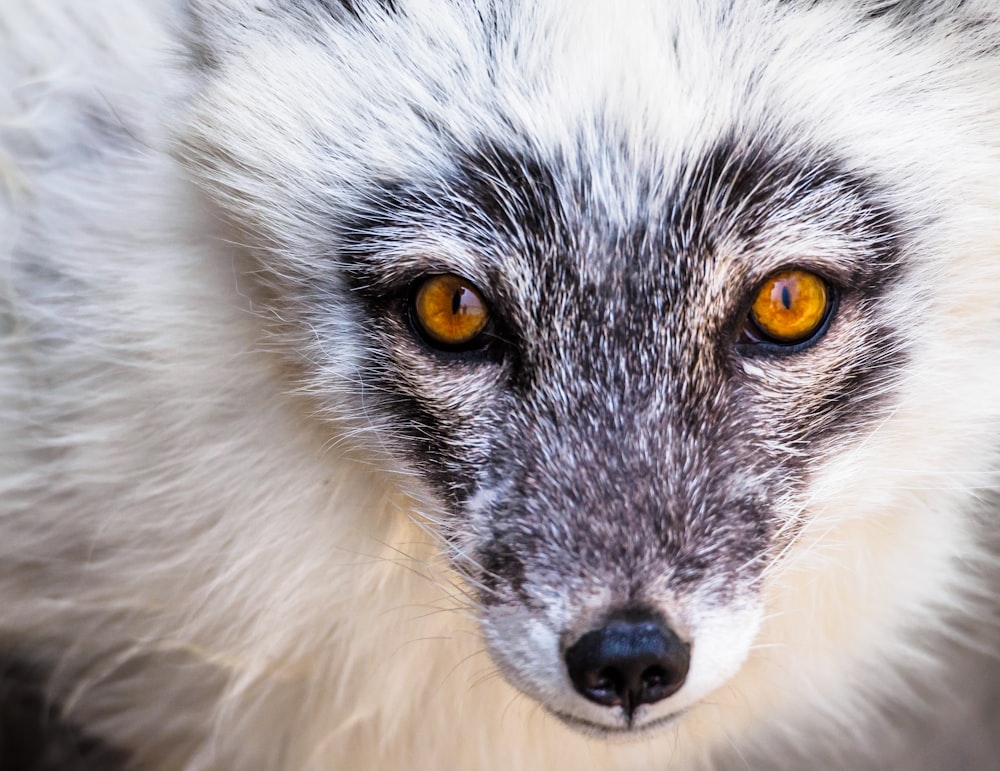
(450,311)
(791,306)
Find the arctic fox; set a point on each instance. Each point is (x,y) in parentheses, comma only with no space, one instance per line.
(498,384)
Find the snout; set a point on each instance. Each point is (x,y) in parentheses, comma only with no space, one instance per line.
(608,669)
(633,658)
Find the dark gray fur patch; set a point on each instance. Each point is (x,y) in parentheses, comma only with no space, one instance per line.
(970,23)
(915,12)
(35,737)
(201,54)
(357,7)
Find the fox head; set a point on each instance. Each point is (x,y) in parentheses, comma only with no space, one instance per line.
(635,295)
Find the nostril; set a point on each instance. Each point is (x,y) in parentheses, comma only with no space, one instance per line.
(656,677)
(632,660)
(604,685)
(659,682)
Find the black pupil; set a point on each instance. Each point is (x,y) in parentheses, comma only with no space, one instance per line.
(786,297)
(456,300)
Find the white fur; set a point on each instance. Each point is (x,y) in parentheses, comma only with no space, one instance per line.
(183,532)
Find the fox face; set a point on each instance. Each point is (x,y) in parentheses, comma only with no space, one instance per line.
(622,446)
(611,327)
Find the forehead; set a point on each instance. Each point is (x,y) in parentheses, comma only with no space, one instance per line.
(664,80)
(595,129)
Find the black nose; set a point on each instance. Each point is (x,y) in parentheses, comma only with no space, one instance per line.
(633,659)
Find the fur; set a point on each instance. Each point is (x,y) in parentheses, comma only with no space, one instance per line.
(249,519)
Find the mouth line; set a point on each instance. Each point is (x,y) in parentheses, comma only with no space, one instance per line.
(628,731)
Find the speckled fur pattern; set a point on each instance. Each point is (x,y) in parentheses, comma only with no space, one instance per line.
(250,519)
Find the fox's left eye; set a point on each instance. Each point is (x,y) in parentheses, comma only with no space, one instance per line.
(449,311)
(790,308)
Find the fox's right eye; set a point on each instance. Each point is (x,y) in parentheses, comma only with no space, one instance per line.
(791,308)
(449,311)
